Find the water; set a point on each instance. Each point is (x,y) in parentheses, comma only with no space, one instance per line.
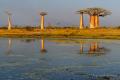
(59,59)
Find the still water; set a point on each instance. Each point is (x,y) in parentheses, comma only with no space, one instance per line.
(59,59)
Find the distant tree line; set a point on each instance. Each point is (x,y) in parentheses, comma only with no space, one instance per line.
(30,28)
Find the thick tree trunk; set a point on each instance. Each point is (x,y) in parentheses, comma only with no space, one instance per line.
(81,22)
(92,21)
(9,23)
(42,22)
(96,21)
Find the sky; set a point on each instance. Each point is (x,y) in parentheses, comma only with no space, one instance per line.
(60,12)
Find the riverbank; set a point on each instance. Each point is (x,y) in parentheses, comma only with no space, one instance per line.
(71,33)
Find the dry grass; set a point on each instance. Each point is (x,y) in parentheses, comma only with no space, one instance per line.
(85,33)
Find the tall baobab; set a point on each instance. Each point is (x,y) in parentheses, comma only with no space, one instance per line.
(42,19)
(94,14)
(81,12)
(9,20)
(100,12)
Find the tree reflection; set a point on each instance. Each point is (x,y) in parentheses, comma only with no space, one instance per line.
(9,50)
(43,50)
(28,40)
(81,47)
(93,48)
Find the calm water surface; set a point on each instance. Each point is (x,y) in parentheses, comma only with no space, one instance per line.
(59,59)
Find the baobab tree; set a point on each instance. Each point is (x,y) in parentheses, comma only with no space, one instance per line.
(9,20)
(94,14)
(42,19)
(105,13)
(81,12)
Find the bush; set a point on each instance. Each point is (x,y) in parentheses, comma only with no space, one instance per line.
(28,28)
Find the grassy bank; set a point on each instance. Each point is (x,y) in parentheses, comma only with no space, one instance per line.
(74,33)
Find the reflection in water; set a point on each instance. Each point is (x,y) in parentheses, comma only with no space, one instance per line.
(86,46)
(9,51)
(93,48)
(96,49)
(81,47)
(28,40)
(43,50)
(61,61)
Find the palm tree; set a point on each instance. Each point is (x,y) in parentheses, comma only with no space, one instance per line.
(81,12)
(42,19)
(94,14)
(9,20)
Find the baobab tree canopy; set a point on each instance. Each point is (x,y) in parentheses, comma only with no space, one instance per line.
(82,11)
(94,11)
(105,13)
(8,13)
(97,11)
(43,13)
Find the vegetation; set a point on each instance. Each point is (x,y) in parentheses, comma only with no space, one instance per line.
(94,14)
(54,31)
(100,33)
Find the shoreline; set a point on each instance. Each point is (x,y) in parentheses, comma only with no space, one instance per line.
(62,33)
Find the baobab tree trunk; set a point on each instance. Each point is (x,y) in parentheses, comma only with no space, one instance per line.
(42,22)
(96,21)
(81,21)
(9,23)
(92,21)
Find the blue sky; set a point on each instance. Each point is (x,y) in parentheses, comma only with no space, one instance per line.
(60,12)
